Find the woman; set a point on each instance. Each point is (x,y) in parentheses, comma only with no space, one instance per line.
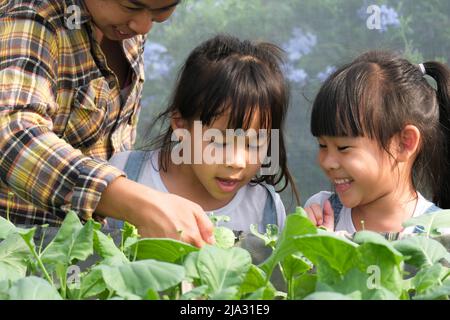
(71,77)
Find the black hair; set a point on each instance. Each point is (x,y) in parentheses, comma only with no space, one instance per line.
(225,74)
(376,96)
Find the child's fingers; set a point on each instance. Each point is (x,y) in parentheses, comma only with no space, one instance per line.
(315,214)
(328,216)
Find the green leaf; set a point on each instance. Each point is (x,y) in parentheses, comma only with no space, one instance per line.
(265,293)
(421,251)
(363,237)
(222,268)
(167,250)
(73,241)
(129,233)
(230,293)
(304,285)
(33,288)
(357,281)
(331,296)
(427,278)
(337,251)
(105,246)
(435,293)
(296,225)
(92,284)
(190,266)
(254,280)
(378,258)
(4,289)
(6,228)
(295,265)
(14,254)
(224,237)
(133,280)
(431,222)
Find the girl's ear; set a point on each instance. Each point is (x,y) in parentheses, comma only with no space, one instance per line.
(409,140)
(177,121)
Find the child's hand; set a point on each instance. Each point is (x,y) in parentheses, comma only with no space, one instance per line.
(319,218)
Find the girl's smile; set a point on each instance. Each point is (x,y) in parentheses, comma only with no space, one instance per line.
(342,185)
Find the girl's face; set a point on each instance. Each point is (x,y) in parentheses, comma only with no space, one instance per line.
(238,158)
(359,169)
(123,19)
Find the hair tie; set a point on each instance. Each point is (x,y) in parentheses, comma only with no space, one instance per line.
(422,68)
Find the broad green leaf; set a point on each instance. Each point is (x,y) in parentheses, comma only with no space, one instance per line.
(363,237)
(167,250)
(296,225)
(427,278)
(265,293)
(4,289)
(378,258)
(369,287)
(331,296)
(33,288)
(190,265)
(254,280)
(431,222)
(438,292)
(222,268)
(73,241)
(421,251)
(92,284)
(14,254)
(295,265)
(134,279)
(6,228)
(105,246)
(337,251)
(304,285)
(224,237)
(230,293)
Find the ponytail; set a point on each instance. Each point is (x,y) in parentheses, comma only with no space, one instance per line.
(441,74)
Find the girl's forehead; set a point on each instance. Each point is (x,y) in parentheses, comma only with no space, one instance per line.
(223,121)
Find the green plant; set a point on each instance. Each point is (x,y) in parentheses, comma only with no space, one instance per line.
(315,264)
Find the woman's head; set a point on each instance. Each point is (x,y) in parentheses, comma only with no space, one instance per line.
(122,19)
(227,83)
(381,96)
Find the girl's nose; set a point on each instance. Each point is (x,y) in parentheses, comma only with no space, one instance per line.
(328,161)
(236,158)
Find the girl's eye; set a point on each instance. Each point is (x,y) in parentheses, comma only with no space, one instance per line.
(343,148)
(322,146)
(132,8)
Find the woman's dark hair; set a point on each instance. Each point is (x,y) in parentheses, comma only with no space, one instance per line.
(244,78)
(376,96)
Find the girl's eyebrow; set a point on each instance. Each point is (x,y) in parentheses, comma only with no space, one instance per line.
(143,5)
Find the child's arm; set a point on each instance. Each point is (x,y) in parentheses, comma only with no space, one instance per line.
(156,214)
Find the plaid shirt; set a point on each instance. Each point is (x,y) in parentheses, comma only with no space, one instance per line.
(61,114)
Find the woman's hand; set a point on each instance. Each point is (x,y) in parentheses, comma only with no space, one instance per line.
(321,218)
(156,214)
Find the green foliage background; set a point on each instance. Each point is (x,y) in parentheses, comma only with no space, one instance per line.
(420,30)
